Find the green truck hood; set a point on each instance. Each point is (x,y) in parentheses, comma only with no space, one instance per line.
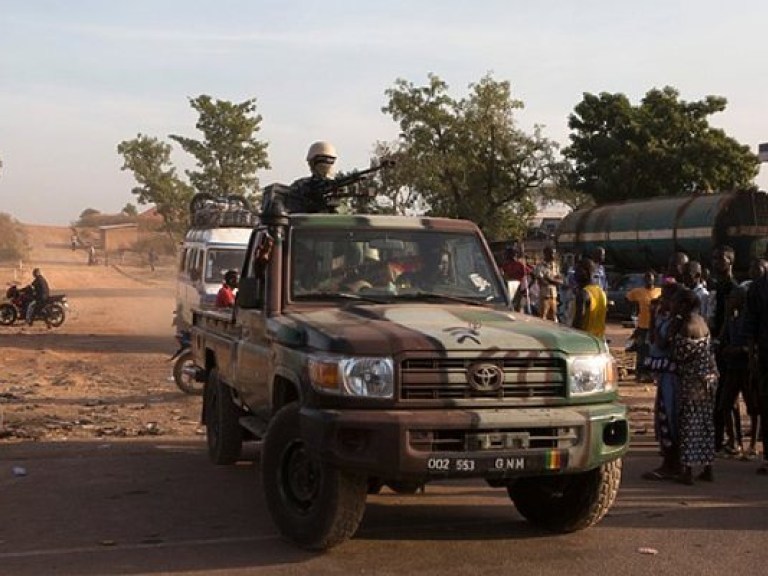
(388,329)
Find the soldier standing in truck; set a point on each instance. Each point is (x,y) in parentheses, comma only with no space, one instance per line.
(306,194)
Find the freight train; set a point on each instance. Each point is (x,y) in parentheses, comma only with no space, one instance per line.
(641,234)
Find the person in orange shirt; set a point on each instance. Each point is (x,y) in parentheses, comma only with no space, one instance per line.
(643,296)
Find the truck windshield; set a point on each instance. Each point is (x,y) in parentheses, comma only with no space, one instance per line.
(391,264)
(222,259)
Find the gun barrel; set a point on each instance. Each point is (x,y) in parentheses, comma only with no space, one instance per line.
(332,188)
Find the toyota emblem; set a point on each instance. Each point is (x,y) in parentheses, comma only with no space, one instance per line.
(485,377)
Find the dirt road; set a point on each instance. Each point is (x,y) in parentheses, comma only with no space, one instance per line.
(105,372)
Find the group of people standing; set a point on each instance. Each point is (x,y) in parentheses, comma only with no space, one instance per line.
(577,297)
(703,342)
(701,346)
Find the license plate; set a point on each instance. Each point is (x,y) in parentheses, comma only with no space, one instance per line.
(550,460)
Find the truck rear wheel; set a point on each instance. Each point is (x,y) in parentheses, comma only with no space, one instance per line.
(569,502)
(222,422)
(311,502)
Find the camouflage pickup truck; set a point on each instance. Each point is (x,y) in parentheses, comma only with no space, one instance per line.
(381,350)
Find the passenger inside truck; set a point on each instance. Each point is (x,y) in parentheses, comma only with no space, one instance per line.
(385,263)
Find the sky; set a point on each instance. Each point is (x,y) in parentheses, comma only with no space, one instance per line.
(77,77)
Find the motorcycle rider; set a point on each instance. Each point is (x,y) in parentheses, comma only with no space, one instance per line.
(226,296)
(40,293)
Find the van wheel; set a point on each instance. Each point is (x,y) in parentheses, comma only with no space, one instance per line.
(222,422)
(570,502)
(312,503)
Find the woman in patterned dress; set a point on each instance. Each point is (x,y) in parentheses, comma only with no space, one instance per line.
(660,363)
(698,379)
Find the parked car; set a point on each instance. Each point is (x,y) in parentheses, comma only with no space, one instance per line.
(618,306)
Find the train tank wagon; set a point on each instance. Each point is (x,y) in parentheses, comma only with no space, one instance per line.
(641,234)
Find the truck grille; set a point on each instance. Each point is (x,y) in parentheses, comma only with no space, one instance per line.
(484,440)
(447,378)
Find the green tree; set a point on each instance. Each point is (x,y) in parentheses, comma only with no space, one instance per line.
(229,154)
(386,191)
(150,161)
(467,158)
(130,210)
(392,185)
(662,147)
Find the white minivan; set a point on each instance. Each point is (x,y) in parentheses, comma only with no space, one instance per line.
(211,247)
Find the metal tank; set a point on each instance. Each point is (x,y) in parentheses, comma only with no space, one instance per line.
(642,234)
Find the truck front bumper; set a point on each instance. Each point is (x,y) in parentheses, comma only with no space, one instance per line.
(490,443)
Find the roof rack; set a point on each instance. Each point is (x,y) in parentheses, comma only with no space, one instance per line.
(232,211)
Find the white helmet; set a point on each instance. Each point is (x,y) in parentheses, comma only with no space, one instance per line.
(321,149)
(321,158)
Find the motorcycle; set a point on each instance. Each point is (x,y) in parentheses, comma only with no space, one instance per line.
(184,369)
(52,311)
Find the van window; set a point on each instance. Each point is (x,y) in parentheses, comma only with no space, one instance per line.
(195,264)
(222,259)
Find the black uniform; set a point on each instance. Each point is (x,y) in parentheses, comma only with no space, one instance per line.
(308,195)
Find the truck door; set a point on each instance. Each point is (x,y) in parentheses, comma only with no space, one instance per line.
(253,353)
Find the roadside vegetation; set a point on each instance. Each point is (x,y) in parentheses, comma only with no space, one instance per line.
(13,239)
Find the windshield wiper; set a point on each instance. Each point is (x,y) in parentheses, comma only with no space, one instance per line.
(438,296)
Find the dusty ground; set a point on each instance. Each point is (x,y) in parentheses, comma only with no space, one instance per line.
(106,371)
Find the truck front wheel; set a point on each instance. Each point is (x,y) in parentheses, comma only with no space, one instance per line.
(222,421)
(569,502)
(312,503)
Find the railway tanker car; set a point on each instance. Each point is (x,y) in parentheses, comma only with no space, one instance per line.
(640,234)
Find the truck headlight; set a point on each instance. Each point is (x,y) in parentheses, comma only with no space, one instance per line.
(365,376)
(591,374)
